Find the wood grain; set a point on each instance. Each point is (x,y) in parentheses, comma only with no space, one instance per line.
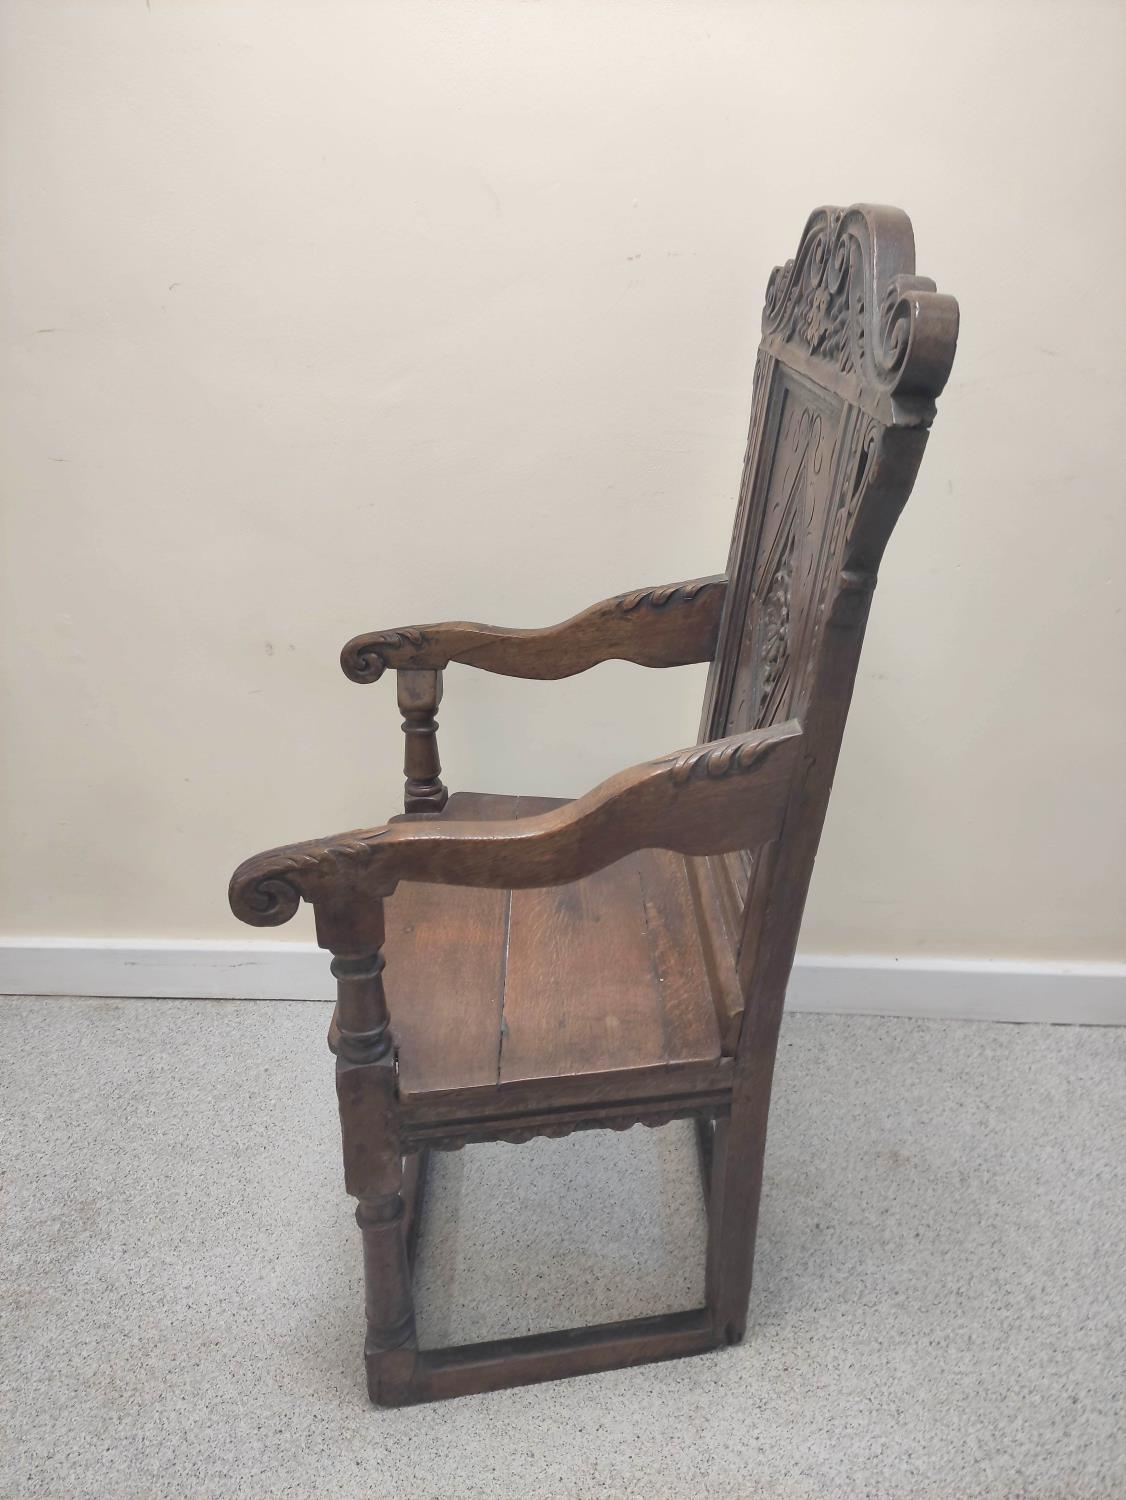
(718,929)
(490,988)
(580,995)
(445,955)
(689,1009)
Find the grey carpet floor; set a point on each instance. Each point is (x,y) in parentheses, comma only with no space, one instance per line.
(938,1306)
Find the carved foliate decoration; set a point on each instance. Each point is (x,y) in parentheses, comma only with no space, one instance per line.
(775,628)
(818,317)
(854,345)
(728,759)
(780,545)
(850,303)
(673,593)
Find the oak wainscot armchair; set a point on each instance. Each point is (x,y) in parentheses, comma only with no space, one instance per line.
(674,889)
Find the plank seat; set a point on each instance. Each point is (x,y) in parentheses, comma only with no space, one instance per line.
(604,981)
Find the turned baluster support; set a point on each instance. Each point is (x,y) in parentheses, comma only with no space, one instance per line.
(369,1128)
(419,693)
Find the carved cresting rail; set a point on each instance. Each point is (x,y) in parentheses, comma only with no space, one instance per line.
(891,354)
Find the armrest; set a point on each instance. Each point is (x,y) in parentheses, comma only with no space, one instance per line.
(656,627)
(727,794)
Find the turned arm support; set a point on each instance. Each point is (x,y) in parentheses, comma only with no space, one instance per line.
(656,627)
(727,794)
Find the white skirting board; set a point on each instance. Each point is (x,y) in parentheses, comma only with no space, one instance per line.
(1085,994)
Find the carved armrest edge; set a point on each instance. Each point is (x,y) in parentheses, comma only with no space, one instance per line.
(666,626)
(707,799)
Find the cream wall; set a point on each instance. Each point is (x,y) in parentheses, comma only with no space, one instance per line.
(325,316)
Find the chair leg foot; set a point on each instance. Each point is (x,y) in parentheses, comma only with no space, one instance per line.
(389,1191)
(390,1375)
(389,1306)
(735,1330)
(733,1204)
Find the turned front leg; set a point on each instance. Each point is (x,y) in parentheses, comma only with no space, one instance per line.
(419,693)
(369,1127)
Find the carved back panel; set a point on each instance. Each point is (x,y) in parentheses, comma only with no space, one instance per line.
(855,348)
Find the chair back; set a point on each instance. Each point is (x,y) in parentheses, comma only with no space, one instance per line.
(855,348)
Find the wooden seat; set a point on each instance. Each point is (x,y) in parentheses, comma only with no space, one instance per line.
(623,958)
(598,979)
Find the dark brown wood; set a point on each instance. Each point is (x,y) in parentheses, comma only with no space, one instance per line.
(719,926)
(468,1369)
(416,1172)
(369,1125)
(503,1108)
(623,958)
(554,1121)
(419,694)
(584,991)
(668,626)
(843,398)
(723,794)
(446,950)
(583,980)
(705,1148)
(638,1092)
(680,970)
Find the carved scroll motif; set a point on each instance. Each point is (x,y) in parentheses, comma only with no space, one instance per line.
(261,891)
(368,662)
(850,300)
(818,298)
